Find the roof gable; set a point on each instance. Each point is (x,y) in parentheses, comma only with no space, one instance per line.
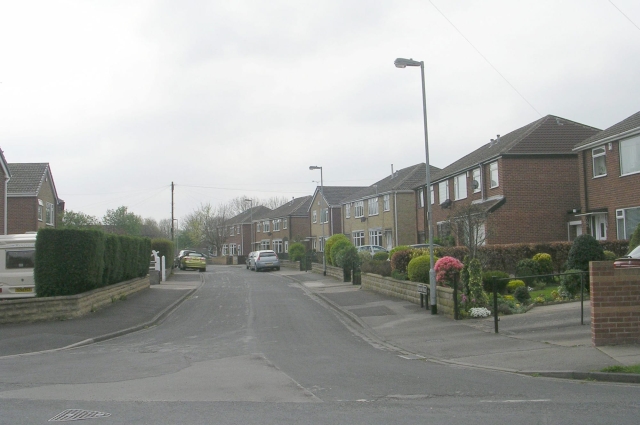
(4,165)
(334,195)
(550,135)
(404,179)
(28,178)
(628,125)
(297,206)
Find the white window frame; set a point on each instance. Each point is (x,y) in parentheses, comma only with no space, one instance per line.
(460,187)
(421,197)
(433,195)
(359,209)
(278,246)
(358,237)
(347,210)
(266,226)
(40,210)
(375,237)
(258,227)
(630,156)
(50,214)
(599,161)
(285,223)
(386,201)
(314,216)
(324,215)
(276,225)
(494,176)
(476,178)
(286,246)
(623,230)
(373,206)
(443,191)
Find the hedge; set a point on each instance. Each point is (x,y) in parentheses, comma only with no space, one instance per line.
(165,248)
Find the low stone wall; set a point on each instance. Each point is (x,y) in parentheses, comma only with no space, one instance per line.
(402,289)
(615,304)
(315,268)
(67,307)
(444,297)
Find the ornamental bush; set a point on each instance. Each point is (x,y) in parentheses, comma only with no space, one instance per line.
(381,256)
(329,245)
(570,283)
(337,246)
(418,269)
(526,269)
(296,251)
(544,264)
(398,248)
(514,284)
(522,294)
(477,296)
(400,260)
(487,280)
(446,268)
(610,255)
(585,248)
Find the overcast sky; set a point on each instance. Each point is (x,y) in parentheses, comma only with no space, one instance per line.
(239,98)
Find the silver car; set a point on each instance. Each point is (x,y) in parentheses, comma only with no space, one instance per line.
(371,249)
(266,259)
(249,260)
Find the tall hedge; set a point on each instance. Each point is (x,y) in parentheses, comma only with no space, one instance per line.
(68,261)
(165,248)
(113,268)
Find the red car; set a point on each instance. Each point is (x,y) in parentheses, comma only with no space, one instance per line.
(630,260)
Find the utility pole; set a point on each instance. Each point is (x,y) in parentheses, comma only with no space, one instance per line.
(172,211)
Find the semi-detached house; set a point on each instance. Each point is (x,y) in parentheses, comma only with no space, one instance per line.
(526,181)
(284,225)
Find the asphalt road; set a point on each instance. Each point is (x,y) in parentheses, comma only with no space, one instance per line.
(257,348)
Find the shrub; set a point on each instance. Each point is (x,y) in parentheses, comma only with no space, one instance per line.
(526,269)
(381,256)
(418,269)
(522,295)
(570,283)
(399,275)
(382,268)
(165,249)
(610,255)
(487,280)
(446,269)
(634,241)
(398,248)
(328,246)
(338,246)
(296,251)
(544,265)
(477,296)
(514,284)
(347,257)
(585,248)
(400,260)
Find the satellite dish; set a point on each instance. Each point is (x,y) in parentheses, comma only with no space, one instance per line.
(446,204)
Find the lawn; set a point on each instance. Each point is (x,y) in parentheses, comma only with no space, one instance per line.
(623,369)
(546,292)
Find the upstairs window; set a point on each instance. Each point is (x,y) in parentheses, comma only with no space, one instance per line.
(630,156)
(359,209)
(314,216)
(433,195)
(40,209)
(373,206)
(347,210)
(258,227)
(476,180)
(493,174)
(285,223)
(460,187)
(276,225)
(443,191)
(599,156)
(50,215)
(386,202)
(266,226)
(421,197)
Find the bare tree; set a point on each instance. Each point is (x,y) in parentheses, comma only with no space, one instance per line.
(469,225)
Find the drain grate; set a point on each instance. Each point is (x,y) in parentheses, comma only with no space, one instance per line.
(77,415)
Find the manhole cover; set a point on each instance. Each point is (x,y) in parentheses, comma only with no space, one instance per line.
(77,415)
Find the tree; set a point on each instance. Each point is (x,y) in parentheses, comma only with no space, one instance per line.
(78,220)
(469,224)
(122,221)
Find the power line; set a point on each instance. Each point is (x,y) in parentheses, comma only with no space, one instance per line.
(486,60)
(623,14)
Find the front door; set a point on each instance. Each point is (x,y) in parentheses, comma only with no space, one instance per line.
(599,226)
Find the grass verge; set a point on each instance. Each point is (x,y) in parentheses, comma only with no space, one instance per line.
(622,369)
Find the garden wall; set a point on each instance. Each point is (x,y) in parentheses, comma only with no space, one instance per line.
(67,307)
(615,304)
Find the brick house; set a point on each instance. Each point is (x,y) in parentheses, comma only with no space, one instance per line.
(609,170)
(235,234)
(526,182)
(5,176)
(32,199)
(385,213)
(284,225)
(326,208)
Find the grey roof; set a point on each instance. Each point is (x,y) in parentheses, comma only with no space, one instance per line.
(27,178)
(404,179)
(550,135)
(257,212)
(295,207)
(5,166)
(627,125)
(335,194)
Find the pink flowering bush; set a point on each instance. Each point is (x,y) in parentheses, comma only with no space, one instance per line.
(446,268)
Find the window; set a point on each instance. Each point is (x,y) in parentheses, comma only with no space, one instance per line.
(40,208)
(460,186)
(20,259)
(444,229)
(285,223)
(50,215)
(266,226)
(358,238)
(277,245)
(476,180)
(276,227)
(314,216)
(231,231)
(630,156)
(375,237)
(324,215)
(421,197)
(599,156)
(232,249)
(386,203)
(627,220)
(225,249)
(264,244)
(433,195)
(347,210)
(286,246)
(373,206)
(258,227)
(238,229)
(443,191)
(359,209)
(493,174)
(321,241)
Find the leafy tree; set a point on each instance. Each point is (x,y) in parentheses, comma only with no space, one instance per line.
(296,251)
(469,224)
(78,220)
(329,245)
(122,221)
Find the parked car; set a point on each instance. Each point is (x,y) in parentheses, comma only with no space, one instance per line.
(371,249)
(265,259)
(631,260)
(193,260)
(17,259)
(250,257)
(423,245)
(178,259)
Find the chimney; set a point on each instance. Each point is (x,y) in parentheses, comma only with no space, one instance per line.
(391,170)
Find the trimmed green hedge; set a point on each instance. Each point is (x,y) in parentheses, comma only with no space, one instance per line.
(164,247)
(71,261)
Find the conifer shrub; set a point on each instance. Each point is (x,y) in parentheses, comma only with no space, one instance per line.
(418,269)
(296,251)
(328,246)
(585,248)
(400,260)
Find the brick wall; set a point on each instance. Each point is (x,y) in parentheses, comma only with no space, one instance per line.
(23,215)
(615,304)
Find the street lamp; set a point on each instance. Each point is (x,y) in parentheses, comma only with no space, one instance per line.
(403,63)
(324,258)
(250,222)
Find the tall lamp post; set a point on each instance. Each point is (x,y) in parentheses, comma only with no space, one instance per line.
(324,258)
(403,63)
(250,222)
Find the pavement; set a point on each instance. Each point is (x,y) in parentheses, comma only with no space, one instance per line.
(546,341)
